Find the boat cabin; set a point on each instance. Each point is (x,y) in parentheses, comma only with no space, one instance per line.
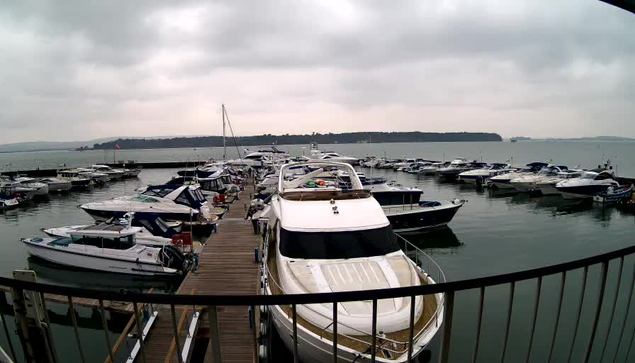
(187,195)
(110,236)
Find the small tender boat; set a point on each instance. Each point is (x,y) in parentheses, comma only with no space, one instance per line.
(8,202)
(57,185)
(613,195)
(588,185)
(110,249)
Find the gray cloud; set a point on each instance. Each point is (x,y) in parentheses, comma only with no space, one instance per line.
(76,70)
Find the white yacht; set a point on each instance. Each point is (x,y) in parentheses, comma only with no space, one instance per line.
(503,181)
(548,186)
(56,185)
(77,179)
(480,176)
(432,168)
(170,202)
(322,238)
(317,155)
(113,174)
(529,183)
(96,177)
(111,249)
(588,185)
(41,189)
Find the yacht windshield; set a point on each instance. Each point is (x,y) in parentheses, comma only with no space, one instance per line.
(337,245)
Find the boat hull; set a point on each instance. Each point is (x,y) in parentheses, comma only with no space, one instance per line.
(581,192)
(397,197)
(97,263)
(60,187)
(101,215)
(404,219)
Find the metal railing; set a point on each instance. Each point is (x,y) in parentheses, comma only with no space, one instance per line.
(608,335)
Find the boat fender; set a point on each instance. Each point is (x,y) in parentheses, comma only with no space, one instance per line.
(264,309)
(262,352)
(263,329)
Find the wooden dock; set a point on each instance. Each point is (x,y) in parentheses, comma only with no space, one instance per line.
(226,267)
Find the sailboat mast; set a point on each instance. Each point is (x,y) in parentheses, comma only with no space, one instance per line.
(224,143)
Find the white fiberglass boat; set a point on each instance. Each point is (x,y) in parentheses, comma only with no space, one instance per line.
(529,183)
(57,185)
(143,236)
(480,176)
(548,186)
(113,174)
(77,179)
(322,238)
(111,249)
(170,202)
(317,155)
(41,189)
(588,185)
(503,181)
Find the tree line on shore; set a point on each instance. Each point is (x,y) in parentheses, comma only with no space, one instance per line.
(286,139)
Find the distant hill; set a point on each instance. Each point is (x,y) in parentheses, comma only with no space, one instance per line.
(50,145)
(330,138)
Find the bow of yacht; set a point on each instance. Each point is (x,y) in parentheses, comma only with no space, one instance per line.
(323,237)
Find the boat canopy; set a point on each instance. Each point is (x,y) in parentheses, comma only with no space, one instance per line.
(188,195)
(106,230)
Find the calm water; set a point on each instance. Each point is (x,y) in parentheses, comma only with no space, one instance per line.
(493,233)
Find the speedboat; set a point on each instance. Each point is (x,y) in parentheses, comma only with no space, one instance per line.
(322,238)
(12,189)
(111,249)
(170,202)
(548,186)
(433,168)
(480,176)
(421,215)
(77,179)
(56,185)
(503,181)
(588,185)
(529,183)
(96,177)
(416,167)
(41,189)
(458,166)
(8,202)
(132,173)
(113,174)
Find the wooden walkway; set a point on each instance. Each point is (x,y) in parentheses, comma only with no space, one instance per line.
(226,267)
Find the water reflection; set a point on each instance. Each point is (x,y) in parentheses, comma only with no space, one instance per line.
(442,237)
(56,274)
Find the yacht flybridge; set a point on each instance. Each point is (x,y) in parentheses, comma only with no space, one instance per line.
(323,236)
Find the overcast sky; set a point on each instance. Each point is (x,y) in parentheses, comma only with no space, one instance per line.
(70,70)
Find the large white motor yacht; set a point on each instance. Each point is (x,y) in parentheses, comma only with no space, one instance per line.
(480,176)
(548,186)
(503,181)
(113,174)
(322,238)
(317,155)
(41,189)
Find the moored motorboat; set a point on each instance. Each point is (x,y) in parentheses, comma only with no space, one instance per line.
(482,175)
(113,174)
(548,185)
(503,181)
(588,185)
(318,233)
(112,249)
(614,195)
(77,179)
(530,182)
(56,185)
(422,215)
(41,189)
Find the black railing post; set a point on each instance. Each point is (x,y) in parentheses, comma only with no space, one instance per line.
(74,320)
(628,308)
(558,311)
(577,320)
(479,321)
(411,333)
(214,334)
(140,332)
(535,317)
(373,347)
(598,311)
(104,324)
(512,288)
(448,312)
(617,293)
(335,332)
(295,334)
(175,331)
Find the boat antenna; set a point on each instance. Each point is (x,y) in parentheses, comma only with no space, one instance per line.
(226,116)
